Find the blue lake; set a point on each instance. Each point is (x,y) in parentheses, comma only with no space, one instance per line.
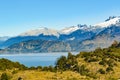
(35,59)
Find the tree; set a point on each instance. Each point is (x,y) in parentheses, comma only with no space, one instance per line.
(114,44)
(39,67)
(4,76)
(61,63)
(71,61)
(83,70)
(70,56)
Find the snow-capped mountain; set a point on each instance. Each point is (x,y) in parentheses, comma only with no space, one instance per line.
(52,32)
(114,20)
(74,38)
(41,30)
(71,29)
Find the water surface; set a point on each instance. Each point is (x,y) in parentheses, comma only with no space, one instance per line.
(35,59)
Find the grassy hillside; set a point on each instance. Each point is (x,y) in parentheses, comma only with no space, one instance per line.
(101,64)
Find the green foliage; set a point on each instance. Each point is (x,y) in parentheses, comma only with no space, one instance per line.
(91,59)
(107,57)
(48,68)
(114,44)
(85,54)
(15,71)
(98,50)
(20,78)
(83,70)
(39,67)
(4,76)
(101,71)
(102,63)
(45,68)
(111,62)
(7,64)
(51,68)
(71,61)
(108,69)
(68,63)
(61,63)
(32,68)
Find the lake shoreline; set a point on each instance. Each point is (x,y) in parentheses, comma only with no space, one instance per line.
(36,59)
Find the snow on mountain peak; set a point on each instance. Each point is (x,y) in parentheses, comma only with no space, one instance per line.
(111,17)
(71,29)
(45,31)
(41,30)
(110,21)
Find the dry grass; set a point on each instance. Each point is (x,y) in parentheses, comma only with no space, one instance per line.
(43,75)
(65,75)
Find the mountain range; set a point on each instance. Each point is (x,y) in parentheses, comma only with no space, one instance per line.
(3,39)
(74,38)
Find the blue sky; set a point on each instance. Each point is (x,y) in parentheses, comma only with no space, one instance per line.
(17,16)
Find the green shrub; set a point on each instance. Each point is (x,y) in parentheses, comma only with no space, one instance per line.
(111,62)
(83,70)
(7,64)
(61,63)
(4,76)
(15,71)
(20,78)
(101,71)
(93,60)
(108,69)
(102,63)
